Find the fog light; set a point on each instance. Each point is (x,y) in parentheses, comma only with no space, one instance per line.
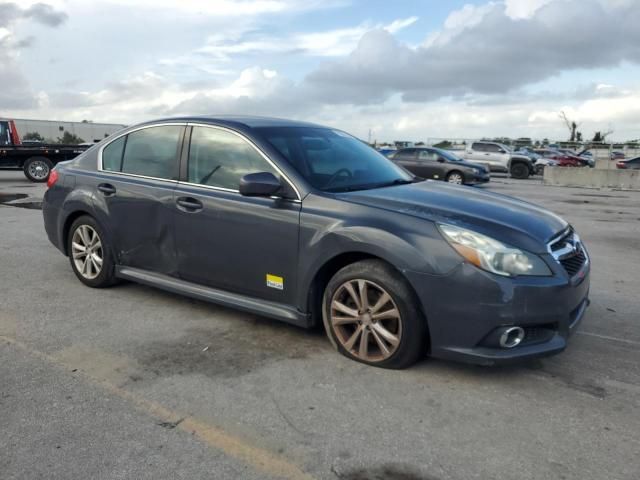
(511,337)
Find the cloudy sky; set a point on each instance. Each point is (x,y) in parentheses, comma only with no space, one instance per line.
(404,69)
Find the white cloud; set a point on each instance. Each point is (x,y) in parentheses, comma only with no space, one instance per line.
(518,9)
(330,43)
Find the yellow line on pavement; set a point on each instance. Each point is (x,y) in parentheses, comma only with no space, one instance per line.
(260,459)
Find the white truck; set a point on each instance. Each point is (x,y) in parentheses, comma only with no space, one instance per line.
(499,158)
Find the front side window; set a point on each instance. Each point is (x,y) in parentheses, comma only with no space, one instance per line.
(331,160)
(152,152)
(428,156)
(220,159)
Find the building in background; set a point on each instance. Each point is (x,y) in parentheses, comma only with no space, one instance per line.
(51,130)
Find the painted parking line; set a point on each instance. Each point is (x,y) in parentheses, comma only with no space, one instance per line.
(607,337)
(260,459)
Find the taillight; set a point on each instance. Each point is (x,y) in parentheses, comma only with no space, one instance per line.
(53,178)
(621,165)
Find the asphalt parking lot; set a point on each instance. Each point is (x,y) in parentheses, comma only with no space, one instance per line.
(132,382)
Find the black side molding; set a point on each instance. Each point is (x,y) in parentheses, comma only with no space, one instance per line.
(275,310)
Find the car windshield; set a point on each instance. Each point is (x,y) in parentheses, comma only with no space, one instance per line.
(332,160)
(448,155)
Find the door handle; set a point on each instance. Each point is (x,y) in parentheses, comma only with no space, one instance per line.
(189,204)
(107,189)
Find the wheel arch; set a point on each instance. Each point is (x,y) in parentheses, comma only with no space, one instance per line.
(455,170)
(66,226)
(330,267)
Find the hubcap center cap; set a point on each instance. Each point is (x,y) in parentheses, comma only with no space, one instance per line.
(366,319)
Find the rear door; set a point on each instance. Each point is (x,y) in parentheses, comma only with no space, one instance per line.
(134,195)
(406,158)
(246,245)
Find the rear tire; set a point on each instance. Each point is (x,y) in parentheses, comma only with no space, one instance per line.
(89,254)
(387,329)
(519,171)
(37,169)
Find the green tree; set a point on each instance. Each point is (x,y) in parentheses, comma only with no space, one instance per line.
(33,136)
(70,139)
(443,144)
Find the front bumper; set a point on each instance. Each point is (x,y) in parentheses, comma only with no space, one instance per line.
(468,306)
(477,178)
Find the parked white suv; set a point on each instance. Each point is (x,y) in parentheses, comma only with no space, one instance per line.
(499,158)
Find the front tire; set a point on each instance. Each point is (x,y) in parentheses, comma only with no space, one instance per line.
(455,177)
(519,171)
(371,315)
(89,254)
(37,169)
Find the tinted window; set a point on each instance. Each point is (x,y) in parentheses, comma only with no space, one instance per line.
(427,155)
(153,152)
(112,155)
(406,153)
(4,134)
(490,147)
(332,160)
(220,159)
(478,147)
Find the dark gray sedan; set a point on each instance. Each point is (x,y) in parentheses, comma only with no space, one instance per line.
(308,225)
(438,164)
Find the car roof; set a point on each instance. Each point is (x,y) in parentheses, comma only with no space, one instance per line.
(248,121)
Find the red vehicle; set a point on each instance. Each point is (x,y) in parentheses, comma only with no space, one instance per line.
(564,159)
(631,164)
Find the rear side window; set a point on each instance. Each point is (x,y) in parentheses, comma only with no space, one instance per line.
(153,152)
(220,159)
(479,147)
(112,155)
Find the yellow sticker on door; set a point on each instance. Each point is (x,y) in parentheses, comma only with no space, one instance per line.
(274,281)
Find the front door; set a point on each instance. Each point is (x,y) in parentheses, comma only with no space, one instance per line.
(246,245)
(134,196)
(429,166)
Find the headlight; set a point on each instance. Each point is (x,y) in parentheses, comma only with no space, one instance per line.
(491,255)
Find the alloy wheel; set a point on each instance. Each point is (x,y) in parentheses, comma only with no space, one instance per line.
(39,169)
(455,178)
(86,249)
(365,320)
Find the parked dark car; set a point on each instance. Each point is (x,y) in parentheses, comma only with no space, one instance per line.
(309,225)
(631,164)
(439,164)
(617,155)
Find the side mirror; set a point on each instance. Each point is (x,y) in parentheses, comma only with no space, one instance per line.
(441,159)
(262,184)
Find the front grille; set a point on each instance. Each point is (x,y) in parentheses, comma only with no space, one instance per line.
(574,263)
(560,242)
(569,252)
(538,334)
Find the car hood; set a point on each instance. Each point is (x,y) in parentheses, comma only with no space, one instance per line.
(512,221)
